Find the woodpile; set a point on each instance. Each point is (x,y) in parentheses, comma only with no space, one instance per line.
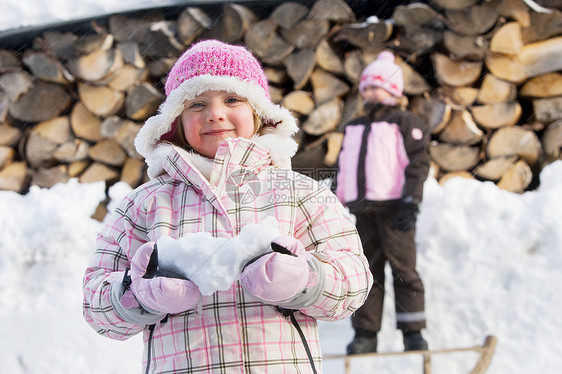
(485,74)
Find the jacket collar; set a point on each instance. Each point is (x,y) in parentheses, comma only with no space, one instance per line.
(377,111)
(232,154)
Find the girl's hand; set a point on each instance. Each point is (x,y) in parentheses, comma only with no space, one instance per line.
(280,276)
(155,292)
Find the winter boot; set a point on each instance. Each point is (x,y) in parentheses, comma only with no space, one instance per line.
(363,342)
(414,341)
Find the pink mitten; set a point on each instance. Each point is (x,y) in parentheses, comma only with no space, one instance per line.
(159,293)
(279,276)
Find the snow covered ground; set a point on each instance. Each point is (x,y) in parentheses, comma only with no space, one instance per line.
(490,261)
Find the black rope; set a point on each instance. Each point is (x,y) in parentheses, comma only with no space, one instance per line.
(289,313)
(151,329)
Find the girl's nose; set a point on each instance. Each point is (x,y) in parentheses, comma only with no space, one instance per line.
(215,113)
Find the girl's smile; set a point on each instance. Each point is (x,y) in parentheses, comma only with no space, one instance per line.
(218,132)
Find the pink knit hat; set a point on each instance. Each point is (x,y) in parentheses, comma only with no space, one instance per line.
(211,65)
(217,59)
(384,73)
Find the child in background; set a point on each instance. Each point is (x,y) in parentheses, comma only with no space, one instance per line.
(383,164)
(218,125)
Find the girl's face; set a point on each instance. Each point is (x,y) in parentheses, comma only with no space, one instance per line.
(374,94)
(214,116)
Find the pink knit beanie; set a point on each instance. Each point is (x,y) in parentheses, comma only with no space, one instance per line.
(384,73)
(214,58)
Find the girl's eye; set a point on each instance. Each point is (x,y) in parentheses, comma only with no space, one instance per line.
(233,100)
(195,105)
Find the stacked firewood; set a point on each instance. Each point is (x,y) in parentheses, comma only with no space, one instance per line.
(485,74)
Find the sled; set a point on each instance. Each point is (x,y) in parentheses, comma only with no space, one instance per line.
(486,352)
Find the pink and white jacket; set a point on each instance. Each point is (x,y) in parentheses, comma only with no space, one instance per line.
(228,331)
(384,157)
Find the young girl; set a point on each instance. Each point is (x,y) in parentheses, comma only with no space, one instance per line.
(383,164)
(216,136)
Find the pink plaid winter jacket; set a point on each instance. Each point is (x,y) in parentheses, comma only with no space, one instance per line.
(229,331)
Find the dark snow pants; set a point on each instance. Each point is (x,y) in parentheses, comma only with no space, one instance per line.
(382,243)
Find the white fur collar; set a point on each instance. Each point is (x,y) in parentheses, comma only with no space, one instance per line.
(280,151)
(157,159)
(203,164)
